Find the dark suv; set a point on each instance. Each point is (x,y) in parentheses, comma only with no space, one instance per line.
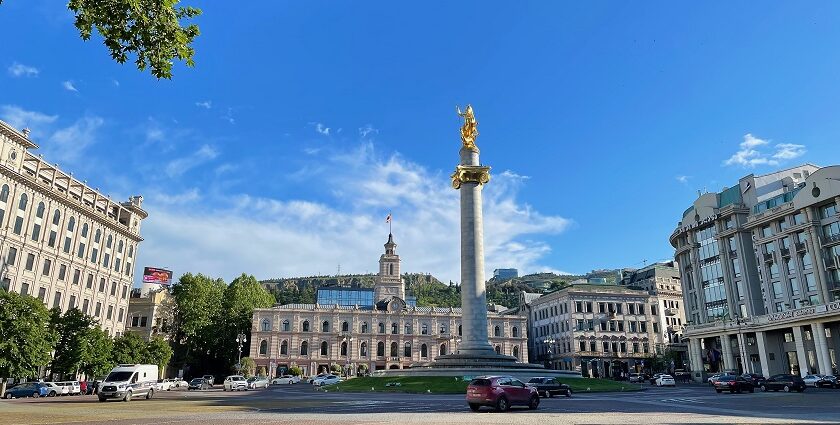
(500,392)
(735,384)
(549,387)
(754,378)
(784,382)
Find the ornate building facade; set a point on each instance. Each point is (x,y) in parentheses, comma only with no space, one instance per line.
(62,241)
(388,334)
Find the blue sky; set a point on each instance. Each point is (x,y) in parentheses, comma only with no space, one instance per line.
(304,123)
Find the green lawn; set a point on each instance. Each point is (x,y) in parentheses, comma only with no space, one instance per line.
(455,385)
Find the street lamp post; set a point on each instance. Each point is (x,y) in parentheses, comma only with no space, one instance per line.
(550,342)
(240,339)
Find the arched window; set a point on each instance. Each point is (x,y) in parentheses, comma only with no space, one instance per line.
(286,326)
(131,251)
(325,327)
(514,331)
(109,241)
(71,224)
(381,328)
(40,211)
(4,193)
(498,349)
(424,351)
(407,329)
(345,327)
(325,348)
(459,330)
(344,349)
(391,269)
(84,230)
(424,329)
(23,201)
(120,246)
(364,327)
(443,328)
(263,347)
(363,350)
(380,349)
(56,217)
(305,326)
(442,349)
(395,350)
(97,235)
(497,331)
(304,348)
(266,325)
(395,329)
(407,349)
(284,348)
(516,351)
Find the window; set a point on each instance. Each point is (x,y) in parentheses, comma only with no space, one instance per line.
(497,331)
(120,316)
(76,275)
(11,256)
(305,326)
(62,272)
(774,271)
(4,197)
(805,259)
(783,225)
(19,219)
(85,306)
(810,282)
(101,284)
(324,348)
(113,288)
(24,288)
(514,332)
(343,351)
(57,300)
(394,328)
(263,347)
(98,309)
(424,351)
(125,292)
(120,247)
(110,312)
(47,267)
(443,328)
(407,329)
(345,327)
(117,265)
(325,327)
(284,348)
(827,211)
(442,349)
(736,266)
(30,261)
(109,241)
(381,328)
(265,325)
(363,350)
(106,260)
(304,348)
(799,218)
(52,238)
(777,289)
(407,349)
(42,294)
(766,231)
(380,349)
(794,286)
(364,328)
(286,326)
(814,300)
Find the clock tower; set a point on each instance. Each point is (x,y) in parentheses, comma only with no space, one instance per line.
(389,283)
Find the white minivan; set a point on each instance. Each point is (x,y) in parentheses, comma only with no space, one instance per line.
(129,380)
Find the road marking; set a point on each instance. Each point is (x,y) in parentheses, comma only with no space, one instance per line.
(680,400)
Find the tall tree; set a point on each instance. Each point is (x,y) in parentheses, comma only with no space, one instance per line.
(130,348)
(158,352)
(73,329)
(26,339)
(150,30)
(98,359)
(242,296)
(198,307)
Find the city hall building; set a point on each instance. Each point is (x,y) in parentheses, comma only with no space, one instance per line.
(759,266)
(62,241)
(369,329)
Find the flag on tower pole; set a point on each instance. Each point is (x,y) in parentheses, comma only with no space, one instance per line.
(388,220)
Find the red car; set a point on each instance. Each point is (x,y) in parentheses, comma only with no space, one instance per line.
(500,392)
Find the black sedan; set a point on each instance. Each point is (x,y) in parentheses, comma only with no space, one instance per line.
(549,387)
(755,378)
(199,384)
(733,383)
(828,381)
(783,382)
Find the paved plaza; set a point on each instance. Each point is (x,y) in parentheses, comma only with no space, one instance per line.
(302,404)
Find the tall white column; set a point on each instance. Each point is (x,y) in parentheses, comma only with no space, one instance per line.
(761,341)
(800,350)
(742,352)
(474,339)
(728,357)
(821,345)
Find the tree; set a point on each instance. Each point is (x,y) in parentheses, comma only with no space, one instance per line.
(158,352)
(130,348)
(295,370)
(26,339)
(363,368)
(97,359)
(198,307)
(261,371)
(241,297)
(248,366)
(73,329)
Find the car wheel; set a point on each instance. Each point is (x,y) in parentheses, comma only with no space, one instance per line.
(502,404)
(36,395)
(150,394)
(8,396)
(534,403)
(127,397)
(764,388)
(474,407)
(786,389)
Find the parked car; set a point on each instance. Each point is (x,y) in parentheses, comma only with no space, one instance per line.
(500,392)
(784,382)
(127,381)
(549,387)
(313,378)
(326,380)
(235,383)
(198,384)
(754,379)
(27,389)
(711,380)
(735,384)
(829,381)
(811,380)
(257,382)
(285,380)
(63,388)
(179,383)
(210,379)
(665,381)
(636,377)
(653,378)
(164,385)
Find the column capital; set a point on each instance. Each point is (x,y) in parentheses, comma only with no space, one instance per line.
(478,174)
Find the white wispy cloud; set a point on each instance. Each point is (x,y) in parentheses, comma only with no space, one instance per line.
(321,128)
(753,152)
(290,237)
(366,130)
(205,104)
(65,144)
(228,116)
(191,195)
(683,179)
(179,166)
(68,85)
(17,69)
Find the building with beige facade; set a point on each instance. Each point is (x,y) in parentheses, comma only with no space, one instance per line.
(386,333)
(150,311)
(62,241)
(760,266)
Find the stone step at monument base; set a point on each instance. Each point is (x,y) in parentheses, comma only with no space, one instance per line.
(522,371)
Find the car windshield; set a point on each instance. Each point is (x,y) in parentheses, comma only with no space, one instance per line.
(196,381)
(252,379)
(536,381)
(119,376)
(480,382)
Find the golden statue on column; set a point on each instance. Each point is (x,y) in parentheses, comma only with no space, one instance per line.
(469,130)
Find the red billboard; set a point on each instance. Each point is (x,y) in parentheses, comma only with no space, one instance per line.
(156,275)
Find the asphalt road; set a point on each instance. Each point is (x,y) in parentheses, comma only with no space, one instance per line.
(302,404)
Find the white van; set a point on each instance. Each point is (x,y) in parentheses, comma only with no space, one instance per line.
(129,380)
